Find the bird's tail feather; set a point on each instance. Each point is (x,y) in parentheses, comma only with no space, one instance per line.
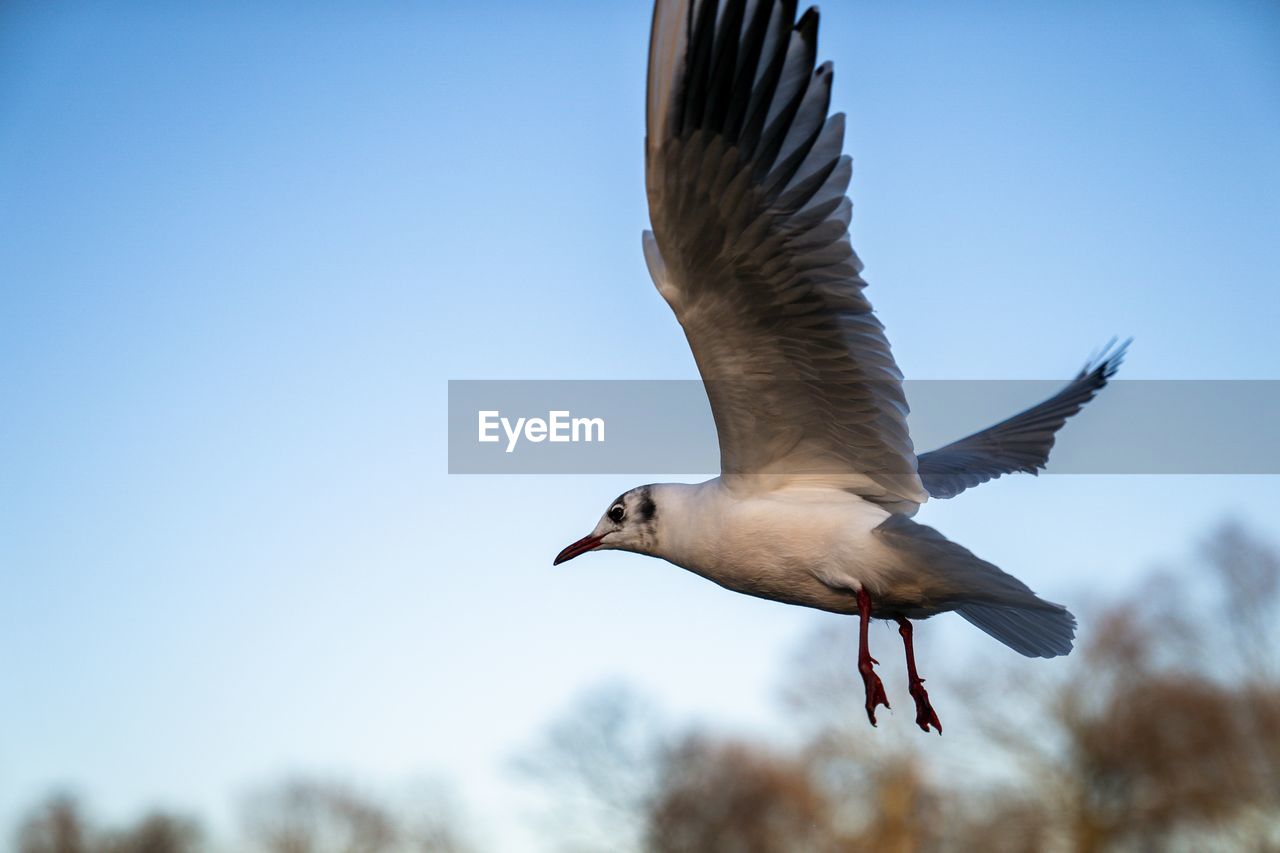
(952,577)
(1039,633)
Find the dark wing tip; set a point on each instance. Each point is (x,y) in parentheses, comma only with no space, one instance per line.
(807,26)
(1106,362)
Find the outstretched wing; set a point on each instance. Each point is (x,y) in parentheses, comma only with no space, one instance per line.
(1021,443)
(750,247)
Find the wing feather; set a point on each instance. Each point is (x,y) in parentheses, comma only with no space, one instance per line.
(1020,443)
(747,195)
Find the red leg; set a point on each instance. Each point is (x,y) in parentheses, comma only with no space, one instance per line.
(925,715)
(871,681)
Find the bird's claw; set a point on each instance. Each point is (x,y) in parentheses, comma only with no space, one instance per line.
(925,715)
(875,692)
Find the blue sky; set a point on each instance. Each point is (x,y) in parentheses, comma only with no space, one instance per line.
(242,249)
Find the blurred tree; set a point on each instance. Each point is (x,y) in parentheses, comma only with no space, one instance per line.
(905,810)
(305,816)
(1247,571)
(310,816)
(1163,733)
(59,826)
(156,833)
(732,796)
(432,822)
(598,767)
(56,826)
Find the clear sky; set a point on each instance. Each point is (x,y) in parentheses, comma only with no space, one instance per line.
(243,247)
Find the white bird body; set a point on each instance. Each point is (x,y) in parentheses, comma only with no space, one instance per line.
(813,546)
(806,545)
(819,478)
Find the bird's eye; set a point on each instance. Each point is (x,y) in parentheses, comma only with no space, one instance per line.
(616,514)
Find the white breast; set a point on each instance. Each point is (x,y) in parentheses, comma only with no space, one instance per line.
(809,546)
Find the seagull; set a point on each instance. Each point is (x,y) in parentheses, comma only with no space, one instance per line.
(819,480)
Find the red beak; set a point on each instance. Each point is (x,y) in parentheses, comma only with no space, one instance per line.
(582,546)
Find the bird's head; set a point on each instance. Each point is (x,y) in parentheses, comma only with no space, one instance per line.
(628,524)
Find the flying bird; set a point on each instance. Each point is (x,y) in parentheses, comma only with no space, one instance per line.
(819,479)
